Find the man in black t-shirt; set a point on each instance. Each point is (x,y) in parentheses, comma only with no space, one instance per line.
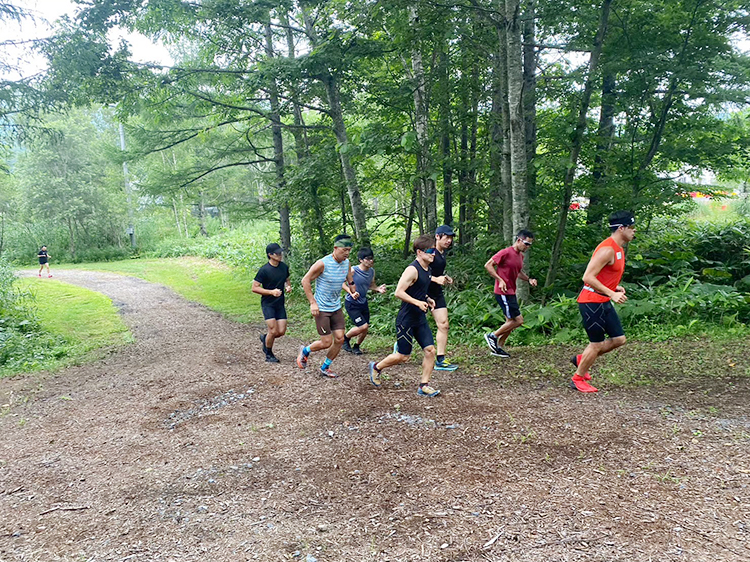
(270,282)
(43,260)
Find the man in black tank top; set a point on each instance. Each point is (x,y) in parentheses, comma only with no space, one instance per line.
(411,322)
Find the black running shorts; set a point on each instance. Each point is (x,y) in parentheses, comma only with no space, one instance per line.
(274,311)
(404,334)
(600,320)
(359,313)
(509,304)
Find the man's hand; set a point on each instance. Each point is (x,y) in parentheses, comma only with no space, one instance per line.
(502,285)
(288,288)
(532,282)
(276,292)
(430,304)
(448,279)
(619,297)
(620,289)
(355,295)
(314,310)
(381,289)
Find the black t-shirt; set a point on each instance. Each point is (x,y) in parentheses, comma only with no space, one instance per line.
(410,315)
(270,278)
(438,269)
(42,256)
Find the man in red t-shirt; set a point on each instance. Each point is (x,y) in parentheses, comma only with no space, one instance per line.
(602,285)
(505,268)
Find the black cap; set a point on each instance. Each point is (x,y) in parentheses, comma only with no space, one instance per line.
(621,218)
(446,230)
(273,248)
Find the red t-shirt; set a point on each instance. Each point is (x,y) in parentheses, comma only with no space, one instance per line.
(508,264)
(610,275)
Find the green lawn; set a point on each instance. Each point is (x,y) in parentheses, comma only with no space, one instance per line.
(201,280)
(81,320)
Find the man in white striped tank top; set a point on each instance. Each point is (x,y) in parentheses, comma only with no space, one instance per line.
(330,274)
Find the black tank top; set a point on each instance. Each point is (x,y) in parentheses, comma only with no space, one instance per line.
(410,315)
(437,268)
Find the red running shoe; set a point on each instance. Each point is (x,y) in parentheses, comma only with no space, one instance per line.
(301,357)
(577,383)
(575,360)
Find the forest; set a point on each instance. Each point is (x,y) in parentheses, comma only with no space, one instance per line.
(384,120)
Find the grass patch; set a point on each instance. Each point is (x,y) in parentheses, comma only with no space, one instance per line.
(79,322)
(201,280)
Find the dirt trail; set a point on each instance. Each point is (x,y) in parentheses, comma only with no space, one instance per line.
(186,446)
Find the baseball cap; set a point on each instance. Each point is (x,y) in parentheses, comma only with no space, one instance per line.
(446,230)
(621,218)
(273,248)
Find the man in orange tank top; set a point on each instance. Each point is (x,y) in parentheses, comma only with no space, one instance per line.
(601,288)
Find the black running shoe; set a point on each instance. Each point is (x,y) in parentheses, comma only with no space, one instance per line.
(263,343)
(356,350)
(500,352)
(346,347)
(271,358)
(491,340)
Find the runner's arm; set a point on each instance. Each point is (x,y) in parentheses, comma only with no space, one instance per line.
(348,285)
(491,268)
(408,278)
(259,290)
(312,274)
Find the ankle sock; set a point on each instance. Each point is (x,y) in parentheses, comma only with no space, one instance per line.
(440,358)
(326,364)
(306,350)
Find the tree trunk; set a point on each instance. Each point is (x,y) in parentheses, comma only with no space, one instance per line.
(202,213)
(604,136)
(530,57)
(176,217)
(577,143)
(333,93)
(444,123)
(518,166)
(410,221)
(285,229)
(505,166)
(421,122)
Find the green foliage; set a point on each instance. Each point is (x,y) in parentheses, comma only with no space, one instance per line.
(24,345)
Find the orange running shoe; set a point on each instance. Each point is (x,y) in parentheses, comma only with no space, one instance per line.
(579,384)
(577,359)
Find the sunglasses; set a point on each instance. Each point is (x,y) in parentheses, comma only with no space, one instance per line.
(526,243)
(429,251)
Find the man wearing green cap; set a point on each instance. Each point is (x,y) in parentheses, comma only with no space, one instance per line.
(329,274)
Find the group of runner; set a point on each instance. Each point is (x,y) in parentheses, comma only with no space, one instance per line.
(420,289)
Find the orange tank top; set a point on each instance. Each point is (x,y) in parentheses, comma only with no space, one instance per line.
(610,275)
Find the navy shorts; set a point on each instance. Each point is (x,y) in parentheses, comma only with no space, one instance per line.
(359,313)
(600,320)
(439,298)
(509,304)
(404,335)
(274,311)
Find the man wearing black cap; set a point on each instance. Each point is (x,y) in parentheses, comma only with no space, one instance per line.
(602,287)
(269,282)
(443,241)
